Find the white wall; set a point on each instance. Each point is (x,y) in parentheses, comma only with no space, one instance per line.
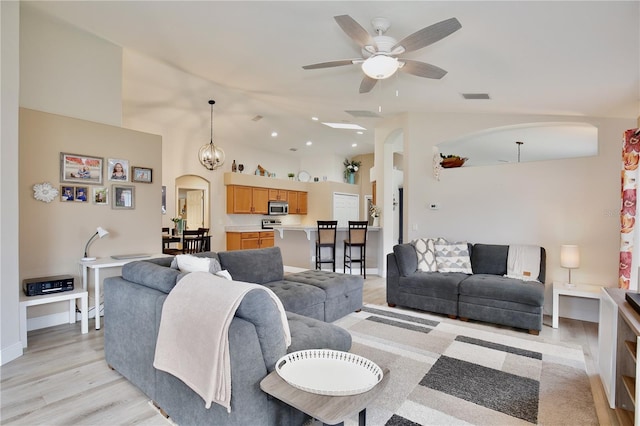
(67,71)
(10,345)
(574,201)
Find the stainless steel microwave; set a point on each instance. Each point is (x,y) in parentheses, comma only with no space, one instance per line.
(278,208)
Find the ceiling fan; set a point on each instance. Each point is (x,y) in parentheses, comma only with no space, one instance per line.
(380,53)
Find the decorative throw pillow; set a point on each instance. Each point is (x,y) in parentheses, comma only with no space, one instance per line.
(189,263)
(453,257)
(426,252)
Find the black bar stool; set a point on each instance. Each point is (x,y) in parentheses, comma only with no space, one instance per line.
(326,239)
(357,239)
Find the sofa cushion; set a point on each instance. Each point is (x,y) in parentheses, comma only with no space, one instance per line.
(333,283)
(300,298)
(406,259)
(498,288)
(150,274)
(441,285)
(426,253)
(308,333)
(489,259)
(453,257)
(257,266)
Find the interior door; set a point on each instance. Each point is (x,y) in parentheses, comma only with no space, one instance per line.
(195,209)
(345,208)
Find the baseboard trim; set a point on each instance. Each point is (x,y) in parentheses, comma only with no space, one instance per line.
(10,353)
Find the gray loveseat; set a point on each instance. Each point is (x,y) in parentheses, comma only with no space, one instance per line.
(133,307)
(486,295)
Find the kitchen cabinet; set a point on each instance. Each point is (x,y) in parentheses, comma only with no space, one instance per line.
(249,240)
(298,202)
(247,200)
(278,194)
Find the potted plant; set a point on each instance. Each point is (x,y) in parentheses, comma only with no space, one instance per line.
(350,170)
(291,175)
(450,161)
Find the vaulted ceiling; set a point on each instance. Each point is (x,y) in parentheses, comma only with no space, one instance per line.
(535,57)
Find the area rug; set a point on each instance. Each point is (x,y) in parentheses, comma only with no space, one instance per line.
(444,372)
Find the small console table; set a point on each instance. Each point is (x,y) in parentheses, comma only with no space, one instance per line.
(330,410)
(104,263)
(71,296)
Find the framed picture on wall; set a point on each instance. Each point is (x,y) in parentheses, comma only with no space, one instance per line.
(118,170)
(80,169)
(67,193)
(101,196)
(123,197)
(82,194)
(141,174)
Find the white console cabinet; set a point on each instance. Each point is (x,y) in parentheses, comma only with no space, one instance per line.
(618,337)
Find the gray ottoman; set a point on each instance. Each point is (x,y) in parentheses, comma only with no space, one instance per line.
(307,333)
(344,292)
(299,298)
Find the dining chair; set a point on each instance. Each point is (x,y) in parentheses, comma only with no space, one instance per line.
(327,240)
(358,240)
(192,241)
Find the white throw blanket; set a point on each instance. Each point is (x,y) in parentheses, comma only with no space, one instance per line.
(193,340)
(523,262)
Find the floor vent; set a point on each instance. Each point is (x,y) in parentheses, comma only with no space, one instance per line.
(476,96)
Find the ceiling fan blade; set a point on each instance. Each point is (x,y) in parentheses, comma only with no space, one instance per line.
(422,69)
(367,84)
(429,35)
(354,30)
(332,64)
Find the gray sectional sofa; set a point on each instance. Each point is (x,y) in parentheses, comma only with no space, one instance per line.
(486,295)
(133,308)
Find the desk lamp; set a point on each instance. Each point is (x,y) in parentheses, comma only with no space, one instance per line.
(570,259)
(101,232)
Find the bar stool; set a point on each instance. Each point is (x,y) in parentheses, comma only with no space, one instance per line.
(357,239)
(326,239)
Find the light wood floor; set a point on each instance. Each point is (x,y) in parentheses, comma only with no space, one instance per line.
(62,379)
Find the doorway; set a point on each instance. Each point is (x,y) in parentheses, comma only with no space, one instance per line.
(192,201)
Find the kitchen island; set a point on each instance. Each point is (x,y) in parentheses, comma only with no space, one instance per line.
(298,245)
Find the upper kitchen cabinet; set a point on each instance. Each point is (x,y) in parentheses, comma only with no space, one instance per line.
(278,194)
(247,200)
(298,202)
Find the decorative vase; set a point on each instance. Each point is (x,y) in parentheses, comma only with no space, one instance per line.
(376,221)
(351,178)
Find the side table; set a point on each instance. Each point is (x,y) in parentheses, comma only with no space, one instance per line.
(577,290)
(330,410)
(104,263)
(71,296)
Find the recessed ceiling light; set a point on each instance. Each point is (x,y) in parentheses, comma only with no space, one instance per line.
(309,143)
(349,126)
(315,118)
(353,145)
(274,134)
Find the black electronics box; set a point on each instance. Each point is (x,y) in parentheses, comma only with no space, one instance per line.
(634,300)
(47,285)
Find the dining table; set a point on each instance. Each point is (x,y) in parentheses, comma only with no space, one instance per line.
(168,239)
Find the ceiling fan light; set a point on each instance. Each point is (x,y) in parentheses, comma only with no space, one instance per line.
(380,67)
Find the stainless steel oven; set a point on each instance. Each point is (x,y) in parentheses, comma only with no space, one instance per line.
(277,208)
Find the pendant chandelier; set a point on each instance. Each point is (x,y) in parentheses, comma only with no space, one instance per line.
(210,156)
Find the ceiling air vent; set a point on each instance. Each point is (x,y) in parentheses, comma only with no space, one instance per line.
(362,113)
(476,96)
(257,118)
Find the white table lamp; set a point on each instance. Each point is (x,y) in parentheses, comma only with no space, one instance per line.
(100,232)
(569,258)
